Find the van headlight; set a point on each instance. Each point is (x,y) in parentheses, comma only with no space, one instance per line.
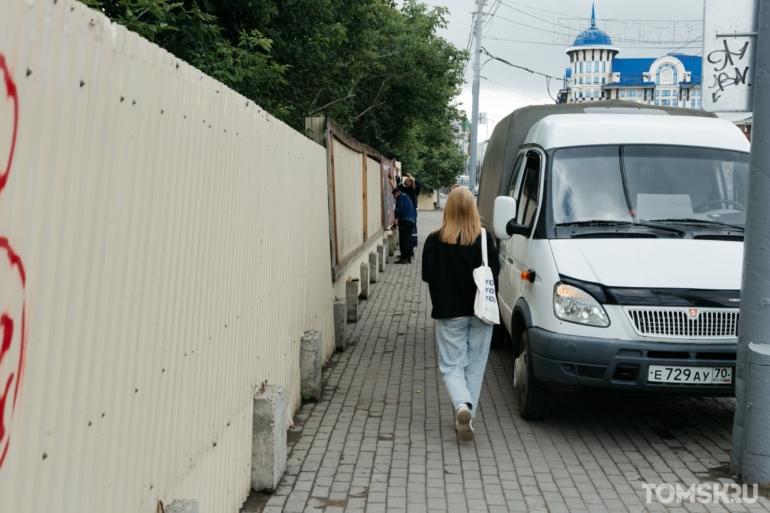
(572,304)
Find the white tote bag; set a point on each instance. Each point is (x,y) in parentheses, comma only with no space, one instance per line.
(485,307)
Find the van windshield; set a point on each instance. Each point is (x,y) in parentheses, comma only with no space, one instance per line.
(644,184)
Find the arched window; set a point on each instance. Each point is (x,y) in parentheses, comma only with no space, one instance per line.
(666,75)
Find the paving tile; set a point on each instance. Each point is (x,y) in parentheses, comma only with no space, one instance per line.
(373,443)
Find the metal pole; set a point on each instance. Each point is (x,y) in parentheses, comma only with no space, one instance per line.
(751,445)
(475,108)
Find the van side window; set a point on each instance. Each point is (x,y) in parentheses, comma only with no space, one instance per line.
(516,173)
(530,188)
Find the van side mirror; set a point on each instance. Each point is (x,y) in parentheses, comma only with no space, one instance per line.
(514,228)
(505,212)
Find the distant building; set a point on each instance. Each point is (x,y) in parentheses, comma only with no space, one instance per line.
(596,73)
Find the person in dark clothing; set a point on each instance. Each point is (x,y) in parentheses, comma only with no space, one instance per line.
(412,188)
(450,255)
(406,217)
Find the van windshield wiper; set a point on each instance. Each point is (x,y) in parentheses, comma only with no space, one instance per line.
(698,221)
(602,222)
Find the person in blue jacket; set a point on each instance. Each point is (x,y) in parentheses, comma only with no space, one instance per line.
(406,217)
(412,187)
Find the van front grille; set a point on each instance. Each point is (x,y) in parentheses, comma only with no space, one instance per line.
(684,323)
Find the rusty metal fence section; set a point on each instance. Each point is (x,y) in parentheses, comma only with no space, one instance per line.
(359,197)
(164,245)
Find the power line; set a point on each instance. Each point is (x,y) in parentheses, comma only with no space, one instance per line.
(572,16)
(484,51)
(563,45)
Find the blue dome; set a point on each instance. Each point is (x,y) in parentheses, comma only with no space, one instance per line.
(593,36)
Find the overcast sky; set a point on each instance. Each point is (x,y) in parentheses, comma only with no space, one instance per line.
(506,88)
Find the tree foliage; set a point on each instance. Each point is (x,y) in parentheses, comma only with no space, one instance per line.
(380,71)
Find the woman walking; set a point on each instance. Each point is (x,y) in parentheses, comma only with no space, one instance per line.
(450,255)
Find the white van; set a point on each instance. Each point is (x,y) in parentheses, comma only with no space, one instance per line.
(620,237)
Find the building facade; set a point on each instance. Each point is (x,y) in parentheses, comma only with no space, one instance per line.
(596,73)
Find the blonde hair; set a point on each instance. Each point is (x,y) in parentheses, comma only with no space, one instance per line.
(461,219)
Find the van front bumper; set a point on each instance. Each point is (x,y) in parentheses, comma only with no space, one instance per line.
(564,361)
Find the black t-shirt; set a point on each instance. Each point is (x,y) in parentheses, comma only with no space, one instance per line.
(448,270)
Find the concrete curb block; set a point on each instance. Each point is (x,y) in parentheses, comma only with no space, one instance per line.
(374,268)
(351,295)
(268,449)
(340,335)
(364,281)
(310,363)
(382,254)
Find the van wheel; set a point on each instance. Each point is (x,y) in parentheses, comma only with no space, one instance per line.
(534,399)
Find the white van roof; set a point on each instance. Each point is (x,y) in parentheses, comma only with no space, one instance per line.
(568,130)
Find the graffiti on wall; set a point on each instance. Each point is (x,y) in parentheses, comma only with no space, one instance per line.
(13,335)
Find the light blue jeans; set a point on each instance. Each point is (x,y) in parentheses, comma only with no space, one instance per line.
(463,351)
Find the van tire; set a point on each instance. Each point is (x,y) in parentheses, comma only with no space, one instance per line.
(534,399)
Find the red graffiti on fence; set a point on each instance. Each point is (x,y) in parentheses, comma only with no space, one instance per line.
(13,336)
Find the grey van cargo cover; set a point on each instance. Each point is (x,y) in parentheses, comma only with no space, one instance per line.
(509,135)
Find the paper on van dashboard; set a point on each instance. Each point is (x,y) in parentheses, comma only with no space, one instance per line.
(663,206)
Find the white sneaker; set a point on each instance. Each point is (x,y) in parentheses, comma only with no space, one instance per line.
(463,423)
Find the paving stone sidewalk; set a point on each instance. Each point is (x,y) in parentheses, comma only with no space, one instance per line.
(382,438)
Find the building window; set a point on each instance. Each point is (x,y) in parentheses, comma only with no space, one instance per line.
(632,93)
(666,93)
(657,102)
(622,94)
(596,80)
(596,67)
(657,93)
(604,67)
(692,104)
(604,80)
(581,67)
(581,94)
(665,103)
(699,104)
(581,80)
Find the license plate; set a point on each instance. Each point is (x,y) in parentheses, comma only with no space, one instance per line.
(690,375)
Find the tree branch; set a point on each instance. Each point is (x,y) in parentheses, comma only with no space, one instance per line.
(375,104)
(350,95)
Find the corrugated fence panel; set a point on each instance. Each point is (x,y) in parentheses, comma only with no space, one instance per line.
(348,189)
(373,195)
(150,277)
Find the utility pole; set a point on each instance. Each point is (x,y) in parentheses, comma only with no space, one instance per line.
(475,108)
(751,444)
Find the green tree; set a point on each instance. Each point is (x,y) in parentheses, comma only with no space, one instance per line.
(381,72)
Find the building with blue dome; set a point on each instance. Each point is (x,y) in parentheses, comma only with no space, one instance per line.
(596,73)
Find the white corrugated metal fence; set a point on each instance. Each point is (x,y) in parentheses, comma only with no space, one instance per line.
(167,245)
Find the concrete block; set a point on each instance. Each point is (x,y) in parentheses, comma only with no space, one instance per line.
(182,506)
(268,448)
(351,295)
(382,255)
(310,361)
(340,335)
(364,281)
(374,267)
